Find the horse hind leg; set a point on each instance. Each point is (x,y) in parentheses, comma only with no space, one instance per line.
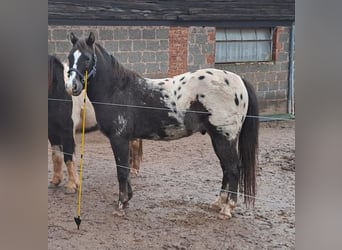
(227,153)
(135,156)
(57,161)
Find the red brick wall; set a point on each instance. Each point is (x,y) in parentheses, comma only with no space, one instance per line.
(279,43)
(210,56)
(178,50)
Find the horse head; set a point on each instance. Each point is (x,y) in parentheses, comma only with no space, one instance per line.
(81,58)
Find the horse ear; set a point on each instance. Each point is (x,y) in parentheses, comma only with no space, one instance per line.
(91,39)
(73,38)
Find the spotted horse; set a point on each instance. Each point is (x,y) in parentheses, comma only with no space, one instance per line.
(211,101)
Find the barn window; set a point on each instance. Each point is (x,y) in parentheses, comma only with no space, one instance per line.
(243,45)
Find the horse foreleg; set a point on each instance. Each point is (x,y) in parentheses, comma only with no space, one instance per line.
(120,147)
(73,182)
(68,150)
(57,160)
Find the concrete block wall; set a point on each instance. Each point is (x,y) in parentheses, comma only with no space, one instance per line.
(160,51)
(142,49)
(201,48)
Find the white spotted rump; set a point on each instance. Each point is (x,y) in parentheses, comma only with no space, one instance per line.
(222,93)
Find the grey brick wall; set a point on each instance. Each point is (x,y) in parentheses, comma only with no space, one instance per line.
(146,50)
(140,48)
(201,47)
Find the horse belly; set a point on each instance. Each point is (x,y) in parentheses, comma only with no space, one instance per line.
(178,132)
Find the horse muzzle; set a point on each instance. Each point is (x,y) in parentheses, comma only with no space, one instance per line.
(77,88)
(73,87)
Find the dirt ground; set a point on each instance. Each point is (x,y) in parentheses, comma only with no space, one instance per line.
(170,205)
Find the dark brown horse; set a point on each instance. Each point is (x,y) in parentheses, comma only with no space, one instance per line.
(60,127)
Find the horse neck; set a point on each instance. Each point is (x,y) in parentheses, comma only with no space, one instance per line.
(56,79)
(111,76)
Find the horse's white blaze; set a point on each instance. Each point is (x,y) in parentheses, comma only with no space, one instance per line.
(216,95)
(71,78)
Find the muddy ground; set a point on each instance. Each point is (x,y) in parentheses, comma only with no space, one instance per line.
(172,194)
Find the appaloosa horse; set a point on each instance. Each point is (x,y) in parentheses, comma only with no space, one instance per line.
(128,106)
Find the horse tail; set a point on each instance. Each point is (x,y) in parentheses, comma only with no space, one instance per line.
(248,146)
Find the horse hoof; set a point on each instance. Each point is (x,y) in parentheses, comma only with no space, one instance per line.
(53,185)
(215,206)
(134,173)
(224,216)
(55,181)
(119,209)
(226,211)
(119,212)
(70,189)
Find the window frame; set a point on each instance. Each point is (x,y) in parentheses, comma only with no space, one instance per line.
(257,41)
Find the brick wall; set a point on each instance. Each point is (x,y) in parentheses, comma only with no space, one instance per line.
(142,49)
(158,51)
(201,48)
(178,57)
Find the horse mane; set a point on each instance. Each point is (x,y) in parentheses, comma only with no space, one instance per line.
(122,75)
(55,67)
(122,72)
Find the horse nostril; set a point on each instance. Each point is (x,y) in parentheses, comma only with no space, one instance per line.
(74,87)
